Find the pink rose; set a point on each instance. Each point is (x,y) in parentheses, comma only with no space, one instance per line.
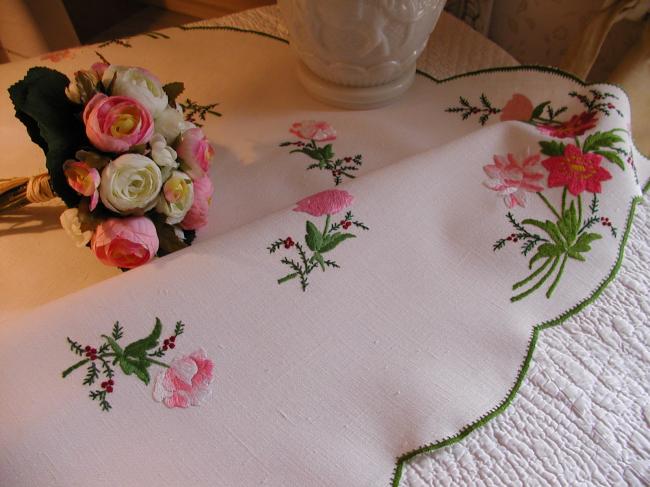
(313,130)
(125,242)
(83,179)
(519,107)
(197,217)
(99,68)
(195,151)
(117,123)
(326,202)
(186,382)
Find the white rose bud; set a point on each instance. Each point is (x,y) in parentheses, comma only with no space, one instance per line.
(161,153)
(139,84)
(72,92)
(169,124)
(71,223)
(130,184)
(176,198)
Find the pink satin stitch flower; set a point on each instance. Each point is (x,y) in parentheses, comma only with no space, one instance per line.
(83,179)
(328,202)
(313,130)
(117,123)
(512,178)
(195,151)
(125,242)
(519,107)
(186,382)
(197,217)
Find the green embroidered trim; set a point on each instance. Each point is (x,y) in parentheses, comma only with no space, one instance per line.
(233,29)
(397,474)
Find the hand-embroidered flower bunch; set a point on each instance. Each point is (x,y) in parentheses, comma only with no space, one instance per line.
(314,132)
(575,167)
(179,385)
(318,242)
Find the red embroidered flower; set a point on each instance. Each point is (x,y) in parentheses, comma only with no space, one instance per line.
(576,125)
(328,202)
(519,107)
(576,170)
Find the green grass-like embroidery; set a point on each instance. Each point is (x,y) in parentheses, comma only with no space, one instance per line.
(397,473)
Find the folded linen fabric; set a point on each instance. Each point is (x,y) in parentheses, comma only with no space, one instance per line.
(331,324)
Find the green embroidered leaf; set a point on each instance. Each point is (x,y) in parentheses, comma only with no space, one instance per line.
(602,139)
(127,366)
(142,373)
(327,152)
(139,348)
(314,238)
(173,91)
(319,258)
(539,109)
(334,240)
(568,225)
(612,156)
(584,243)
(551,148)
(546,250)
(549,227)
(116,348)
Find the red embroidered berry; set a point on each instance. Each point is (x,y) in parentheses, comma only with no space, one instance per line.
(172,338)
(347,159)
(87,349)
(515,239)
(166,342)
(93,357)
(610,106)
(110,382)
(172,345)
(288,243)
(509,237)
(104,384)
(165,347)
(346,224)
(93,351)
(109,389)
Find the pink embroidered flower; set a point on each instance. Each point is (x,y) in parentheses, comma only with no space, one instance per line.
(576,170)
(576,125)
(125,242)
(512,178)
(195,151)
(519,107)
(186,382)
(117,123)
(313,130)
(83,179)
(197,217)
(57,56)
(327,202)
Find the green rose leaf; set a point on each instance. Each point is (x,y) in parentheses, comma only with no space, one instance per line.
(173,91)
(52,122)
(113,344)
(544,251)
(139,348)
(583,244)
(335,239)
(314,238)
(127,366)
(549,227)
(168,240)
(319,258)
(602,139)
(539,109)
(612,156)
(551,148)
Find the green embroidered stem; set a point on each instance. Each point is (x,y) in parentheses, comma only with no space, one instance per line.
(288,277)
(327,224)
(70,369)
(564,201)
(162,364)
(557,278)
(579,208)
(537,272)
(539,284)
(549,205)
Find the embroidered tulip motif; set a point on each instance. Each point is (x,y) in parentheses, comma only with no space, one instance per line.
(315,132)
(326,203)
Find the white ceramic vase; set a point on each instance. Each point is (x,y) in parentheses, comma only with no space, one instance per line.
(359,53)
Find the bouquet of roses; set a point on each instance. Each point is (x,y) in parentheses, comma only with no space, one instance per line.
(119,153)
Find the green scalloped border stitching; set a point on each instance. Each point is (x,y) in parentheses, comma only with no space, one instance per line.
(399,467)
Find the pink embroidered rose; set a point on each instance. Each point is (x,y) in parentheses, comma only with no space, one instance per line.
(327,202)
(313,130)
(83,179)
(576,170)
(125,242)
(197,217)
(117,123)
(576,125)
(512,179)
(186,382)
(519,107)
(195,151)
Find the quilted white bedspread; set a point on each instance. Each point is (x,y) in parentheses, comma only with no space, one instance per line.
(582,416)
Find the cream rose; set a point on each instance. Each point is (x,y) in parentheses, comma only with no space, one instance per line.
(71,221)
(169,124)
(176,198)
(139,84)
(130,184)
